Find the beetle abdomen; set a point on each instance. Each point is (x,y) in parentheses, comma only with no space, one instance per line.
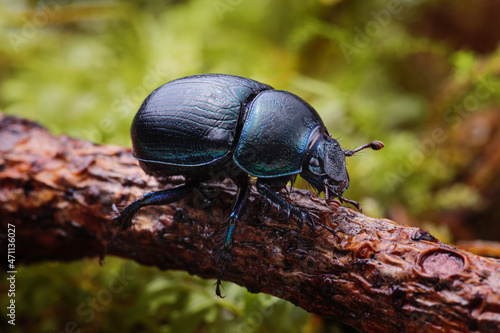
(191,121)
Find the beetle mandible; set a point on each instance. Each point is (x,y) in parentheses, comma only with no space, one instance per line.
(200,125)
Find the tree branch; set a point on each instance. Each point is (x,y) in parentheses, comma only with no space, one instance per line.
(372,274)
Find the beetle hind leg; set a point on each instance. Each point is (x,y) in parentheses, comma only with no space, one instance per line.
(225,255)
(124,218)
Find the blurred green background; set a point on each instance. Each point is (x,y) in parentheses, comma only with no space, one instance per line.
(421,76)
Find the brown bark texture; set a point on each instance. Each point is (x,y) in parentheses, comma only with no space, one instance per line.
(373,274)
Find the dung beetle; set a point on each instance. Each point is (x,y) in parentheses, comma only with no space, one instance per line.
(216,126)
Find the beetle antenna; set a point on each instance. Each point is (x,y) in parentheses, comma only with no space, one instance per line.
(375,145)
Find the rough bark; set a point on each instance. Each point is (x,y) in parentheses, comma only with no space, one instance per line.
(373,274)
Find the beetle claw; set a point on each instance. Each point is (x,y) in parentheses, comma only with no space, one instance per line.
(218,284)
(302,216)
(312,223)
(115,210)
(300,223)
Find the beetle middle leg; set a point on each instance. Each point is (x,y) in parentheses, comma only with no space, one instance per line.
(299,214)
(124,219)
(238,209)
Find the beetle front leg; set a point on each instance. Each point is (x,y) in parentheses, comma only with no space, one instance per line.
(352,202)
(124,219)
(238,209)
(278,202)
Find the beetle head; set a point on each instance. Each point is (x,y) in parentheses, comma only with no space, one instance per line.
(324,167)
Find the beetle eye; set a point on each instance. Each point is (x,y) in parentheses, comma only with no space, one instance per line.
(315,167)
(313,162)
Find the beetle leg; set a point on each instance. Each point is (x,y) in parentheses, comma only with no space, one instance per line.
(278,202)
(124,219)
(238,209)
(352,202)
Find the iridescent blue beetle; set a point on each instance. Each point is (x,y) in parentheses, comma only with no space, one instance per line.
(207,126)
